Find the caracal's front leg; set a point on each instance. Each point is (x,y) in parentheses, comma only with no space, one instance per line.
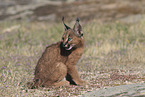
(72,71)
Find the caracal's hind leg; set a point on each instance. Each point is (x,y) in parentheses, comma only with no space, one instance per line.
(56,77)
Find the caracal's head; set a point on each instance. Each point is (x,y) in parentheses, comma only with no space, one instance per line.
(72,37)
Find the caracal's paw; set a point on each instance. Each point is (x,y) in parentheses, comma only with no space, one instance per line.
(81,83)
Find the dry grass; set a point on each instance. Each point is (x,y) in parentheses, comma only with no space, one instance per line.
(112,51)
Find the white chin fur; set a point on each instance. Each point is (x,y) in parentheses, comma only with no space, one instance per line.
(70,47)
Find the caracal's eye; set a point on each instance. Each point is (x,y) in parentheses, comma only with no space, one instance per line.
(62,38)
(69,39)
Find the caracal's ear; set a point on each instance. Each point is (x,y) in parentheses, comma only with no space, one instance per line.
(78,29)
(65,26)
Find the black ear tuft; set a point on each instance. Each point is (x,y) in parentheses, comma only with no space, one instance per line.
(77,19)
(63,18)
(66,27)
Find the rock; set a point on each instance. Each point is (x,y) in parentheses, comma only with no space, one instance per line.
(123,90)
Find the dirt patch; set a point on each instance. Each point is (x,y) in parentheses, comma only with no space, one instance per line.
(45,10)
(117,76)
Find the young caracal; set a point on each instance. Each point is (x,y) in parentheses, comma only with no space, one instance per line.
(58,60)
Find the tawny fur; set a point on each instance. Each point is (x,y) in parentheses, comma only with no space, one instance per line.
(57,62)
